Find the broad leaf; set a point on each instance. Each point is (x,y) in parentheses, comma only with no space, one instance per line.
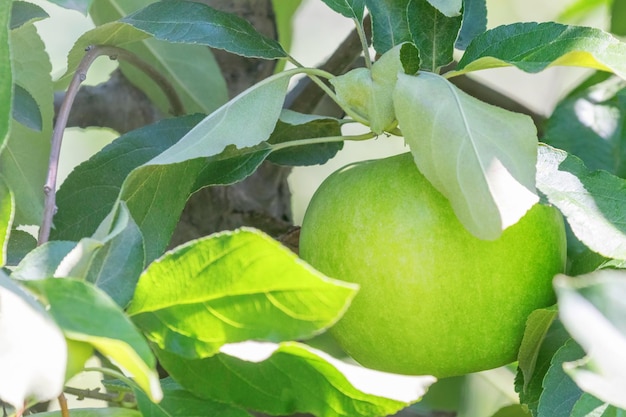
(24,12)
(7,207)
(43,261)
(513,410)
(87,314)
(592,202)
(6,73)
(95,412)
(481,157)
(24,161)
(352,9)
(254,375)
(560,392)
(537,326)
(618,18)
(589,124)
(25,109)
(449,8)
(196,23)
(474,22)
(20,244)
(198,82)
(97,182)
(389,23)
(33,354)
(593,309)
(433,32)
(589,406)
(231,287)
(532,47)
(79,5)
(179,402)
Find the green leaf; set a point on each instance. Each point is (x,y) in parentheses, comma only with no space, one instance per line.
(481,157)
(449,8)
(588,124)
(33,354)
(231,287)
(43,261)
(389,23)
(19,245)
(593,309)
(198,82)
(95,412)
(532,47)
(7,207)
(590,406)
(289,378)
(352,9)
(410,58)
(90,191)
(580,9)
(87,314)
(24,12)
(24,161)
(513,410)
(284,12)
(178,402)
(6,74)
(25,109)
(618,18)
(474,22)
(79,5)
(196,23)
(530,376)
(560,392)
(433,32)
(591,201)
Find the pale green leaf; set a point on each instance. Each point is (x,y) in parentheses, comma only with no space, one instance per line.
(34,353)
(6,73)
(532,47)
(7,208)
(449,8)
(284,11)
(87,314)
(95,412)
(352,9)
(305,380)
(196,23)
(24,161)
(198,81)
(593,309)
(481,157)
(591,201)
(231,287)
(24,12)
(589,406)
(78,5)
(43,261)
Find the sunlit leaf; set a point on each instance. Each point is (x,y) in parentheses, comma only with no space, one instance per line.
(308,381)
(24,161)
(7,207)
(480,157)
(87,314)
(196,23)
(95,412)
(532,47)
(231,287)
(24,12)
(593,309)
(591,201)
(33,354)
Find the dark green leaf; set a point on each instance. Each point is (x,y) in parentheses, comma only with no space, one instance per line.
(514,410)
(352,9)
(6,73)
(290,378)
(589,406)
(80,5)
(20,244)
(590,124)
(474,22)
(25,12)
(292,127)
(530,387)
(532,47)
(231,287)
(178,402)
(87,314)
(389,23)
(7,206)
(410,58)
(537,326)
(196,23)
(592,201)
(24,161)
(560,392)
(25,109)
(90,191)
(433,33)
(618,18)
(43,261)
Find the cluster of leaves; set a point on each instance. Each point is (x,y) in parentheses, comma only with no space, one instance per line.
(222,314)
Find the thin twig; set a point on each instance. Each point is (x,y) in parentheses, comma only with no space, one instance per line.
(65,411)
(80,75)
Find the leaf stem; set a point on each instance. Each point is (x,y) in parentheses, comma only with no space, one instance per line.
(65,412)
(364,45)
(80,75)
(327,139)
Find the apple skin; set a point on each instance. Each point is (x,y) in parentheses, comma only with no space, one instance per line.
(434,299)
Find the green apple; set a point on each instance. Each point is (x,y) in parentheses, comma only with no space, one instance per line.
(434,299)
